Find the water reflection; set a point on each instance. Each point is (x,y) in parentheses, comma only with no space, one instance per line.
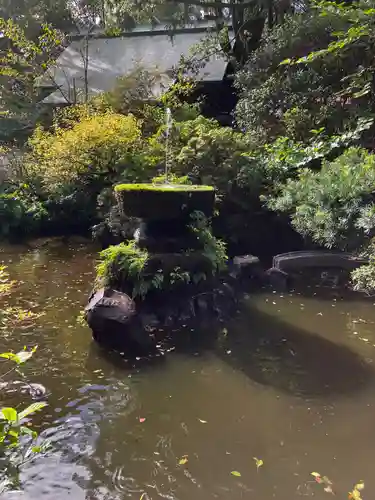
(290,381)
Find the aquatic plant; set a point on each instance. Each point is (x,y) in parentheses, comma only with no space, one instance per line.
(18,442)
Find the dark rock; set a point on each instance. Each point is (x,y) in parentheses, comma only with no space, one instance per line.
(166,236)
(278,279)
(224,301)
(296,261)
(187,311)
(149,322)
(201,305)
(247,267)
(111,315)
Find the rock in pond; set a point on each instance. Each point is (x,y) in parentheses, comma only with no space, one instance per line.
(112,317)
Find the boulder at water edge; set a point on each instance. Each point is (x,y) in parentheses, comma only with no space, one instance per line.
(111,315)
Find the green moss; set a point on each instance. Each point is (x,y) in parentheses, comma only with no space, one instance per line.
(161,187)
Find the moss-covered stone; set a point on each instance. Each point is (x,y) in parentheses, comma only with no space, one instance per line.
(158,202)
(162,187)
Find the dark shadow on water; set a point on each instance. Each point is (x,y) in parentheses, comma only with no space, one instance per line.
(269,351)
(295,361)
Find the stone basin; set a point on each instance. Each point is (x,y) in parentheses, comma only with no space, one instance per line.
(165,201)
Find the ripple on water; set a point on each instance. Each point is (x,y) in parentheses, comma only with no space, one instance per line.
(286,383)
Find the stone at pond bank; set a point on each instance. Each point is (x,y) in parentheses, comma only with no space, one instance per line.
(247,268)
(333,267)
(111,315)
(119,323)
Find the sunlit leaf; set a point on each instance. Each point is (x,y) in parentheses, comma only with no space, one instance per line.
(9,414)
(8,355)
(258,462)
(202,421)
(31,409)
(19,358)
(183,460)
(315,474)
(285,62)
(236,473)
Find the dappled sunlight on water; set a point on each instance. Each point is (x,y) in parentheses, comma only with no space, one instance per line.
(290,381)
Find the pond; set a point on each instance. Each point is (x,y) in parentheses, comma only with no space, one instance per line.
(290,381)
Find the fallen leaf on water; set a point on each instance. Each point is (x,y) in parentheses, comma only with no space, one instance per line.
(356,493)
(236,473)
(328,489)
(142,420)
(202,421)
(143,496)
(258,462)
(317,477)
(360,486)
(183,460)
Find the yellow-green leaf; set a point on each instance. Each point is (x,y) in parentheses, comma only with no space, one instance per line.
(236,473)
(258,462)
(9,414)
(31,409)
(183,461)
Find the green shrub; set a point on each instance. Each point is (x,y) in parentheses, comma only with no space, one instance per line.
(21,212)
(97,148)
(203,150)
(335,206)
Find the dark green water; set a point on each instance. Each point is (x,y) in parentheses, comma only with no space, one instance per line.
(291,382)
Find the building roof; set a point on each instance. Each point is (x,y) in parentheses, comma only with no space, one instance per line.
(113,57)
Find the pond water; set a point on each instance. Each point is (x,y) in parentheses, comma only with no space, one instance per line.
(290,381)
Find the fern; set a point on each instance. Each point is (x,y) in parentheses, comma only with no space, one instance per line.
(214,249)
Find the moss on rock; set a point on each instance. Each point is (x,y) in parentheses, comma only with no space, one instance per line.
(165,202)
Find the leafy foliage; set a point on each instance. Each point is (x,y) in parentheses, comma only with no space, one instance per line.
(279,99)
(364,277)
(127,263)
(22,61)
(99,145)
(334,206)
(18,442)
(120,262)
(213,248)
